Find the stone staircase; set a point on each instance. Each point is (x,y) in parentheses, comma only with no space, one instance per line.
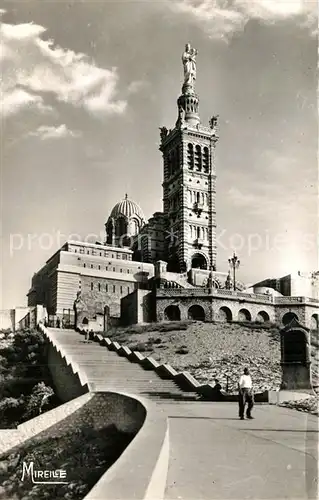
(106,370)
(181,280)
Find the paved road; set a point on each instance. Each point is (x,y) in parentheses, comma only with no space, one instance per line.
(214,455)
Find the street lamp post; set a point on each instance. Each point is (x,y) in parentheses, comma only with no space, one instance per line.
(234,263)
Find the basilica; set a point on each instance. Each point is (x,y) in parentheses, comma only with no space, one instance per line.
(165,268)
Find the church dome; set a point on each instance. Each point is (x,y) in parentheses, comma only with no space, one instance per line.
(125,221)
(127,208)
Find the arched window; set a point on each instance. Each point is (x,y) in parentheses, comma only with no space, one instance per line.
(206,160)
(190,156)
(198,158)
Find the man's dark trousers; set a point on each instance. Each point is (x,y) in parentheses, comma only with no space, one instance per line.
(245,396)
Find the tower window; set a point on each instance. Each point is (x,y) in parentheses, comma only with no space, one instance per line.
(206,160)
(84,265)
(99,287)
(99,267)
(106,287)
(91,266)
(121,289)
(92,286)
(128,289)
(190,156)
(198,158)
(113,288)
(113,269)
(106,269)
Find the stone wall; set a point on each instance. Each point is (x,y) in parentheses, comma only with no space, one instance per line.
(67,384)
(212,307)
(13,437)
(129,309)
(137,307)
(105,293)
(239,307)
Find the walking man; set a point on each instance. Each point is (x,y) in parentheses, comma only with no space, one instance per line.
(245,389)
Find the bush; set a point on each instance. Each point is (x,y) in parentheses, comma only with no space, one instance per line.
(182,350)
(38,399)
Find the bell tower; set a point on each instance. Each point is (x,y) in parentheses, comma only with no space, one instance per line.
(189,185)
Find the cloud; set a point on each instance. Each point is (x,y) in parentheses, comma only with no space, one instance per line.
(14,100)
(136,86)
(222,18)
(50,132)
(33,69)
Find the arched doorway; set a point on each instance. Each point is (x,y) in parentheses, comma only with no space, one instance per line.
(288,317)
(314,322)
(199,261)
(244,315)
(262,317)
(85,321)
(196,312)
(172,313)
(225,315)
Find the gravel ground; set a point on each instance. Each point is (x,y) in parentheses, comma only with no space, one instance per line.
(309,405)
(210,351)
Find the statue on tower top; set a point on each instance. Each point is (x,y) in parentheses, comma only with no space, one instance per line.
(189,63)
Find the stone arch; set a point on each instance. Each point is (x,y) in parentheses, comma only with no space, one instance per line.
(199,261)
(225,315)
(262,317)
(196,312)
(288,317)
(314,322)
(244,315)
(172,313)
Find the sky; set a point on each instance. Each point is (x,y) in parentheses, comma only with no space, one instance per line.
(85,87)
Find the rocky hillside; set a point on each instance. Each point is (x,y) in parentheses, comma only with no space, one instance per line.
(210,351)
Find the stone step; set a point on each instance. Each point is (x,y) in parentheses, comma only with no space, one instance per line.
(107,370)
